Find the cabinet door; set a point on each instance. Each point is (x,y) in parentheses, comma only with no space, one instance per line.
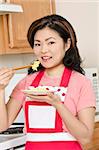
(2,44)
(18,23)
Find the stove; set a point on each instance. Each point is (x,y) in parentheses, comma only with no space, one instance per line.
(13,137)
(14,141)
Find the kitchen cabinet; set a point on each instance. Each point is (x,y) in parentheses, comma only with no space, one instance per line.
(2,49)
(94,145)
(14,27)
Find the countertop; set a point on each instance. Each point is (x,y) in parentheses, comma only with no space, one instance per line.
(10,141)
(97,118)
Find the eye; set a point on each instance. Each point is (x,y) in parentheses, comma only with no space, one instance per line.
(51,42)
(36,44)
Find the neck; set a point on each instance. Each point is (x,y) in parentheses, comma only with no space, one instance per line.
(55,71)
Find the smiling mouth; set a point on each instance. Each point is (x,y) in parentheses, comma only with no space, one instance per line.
(46,58)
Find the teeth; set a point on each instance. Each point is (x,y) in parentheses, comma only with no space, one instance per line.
(46,57)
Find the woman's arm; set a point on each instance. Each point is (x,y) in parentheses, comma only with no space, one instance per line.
(9,111)
(81,127)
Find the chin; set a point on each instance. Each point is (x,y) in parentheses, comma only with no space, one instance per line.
(47,67)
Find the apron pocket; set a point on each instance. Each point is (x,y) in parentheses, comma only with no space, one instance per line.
(41,116)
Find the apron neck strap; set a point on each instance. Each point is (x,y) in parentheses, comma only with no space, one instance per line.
(65,77)
(64,81)
(37,79)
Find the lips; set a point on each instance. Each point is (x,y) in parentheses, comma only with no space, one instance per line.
(46,58)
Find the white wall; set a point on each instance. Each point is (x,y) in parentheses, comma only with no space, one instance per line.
(84,16)
(98,35)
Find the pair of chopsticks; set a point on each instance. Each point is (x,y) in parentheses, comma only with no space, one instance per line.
(22,67)
(34,66)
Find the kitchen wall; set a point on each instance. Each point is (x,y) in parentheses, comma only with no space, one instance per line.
(98,34)
(16,60)
(84,16)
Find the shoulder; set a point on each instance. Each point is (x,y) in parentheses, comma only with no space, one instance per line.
(79,78)
(27,80)
(78,82)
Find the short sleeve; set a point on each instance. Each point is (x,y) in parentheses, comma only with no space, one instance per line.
(17,93)
(86,96)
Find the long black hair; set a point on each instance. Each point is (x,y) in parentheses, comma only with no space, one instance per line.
(72,59)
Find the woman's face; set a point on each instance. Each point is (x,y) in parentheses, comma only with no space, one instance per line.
(49,47)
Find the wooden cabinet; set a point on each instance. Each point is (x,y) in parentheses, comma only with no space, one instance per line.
(2,48)
(94,145)
(14,27)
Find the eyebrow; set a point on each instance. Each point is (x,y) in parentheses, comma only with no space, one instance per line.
(46,39)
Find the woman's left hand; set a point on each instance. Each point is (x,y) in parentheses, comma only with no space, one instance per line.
(49,98)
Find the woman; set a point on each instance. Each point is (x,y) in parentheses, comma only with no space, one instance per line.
(63,119)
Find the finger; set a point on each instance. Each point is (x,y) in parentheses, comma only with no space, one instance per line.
(4,82)
(5,78)
(3,70)
(51,94)
(39,98)
(55,97)
(7,74)
(36,97)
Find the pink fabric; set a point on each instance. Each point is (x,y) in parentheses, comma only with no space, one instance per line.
(17,93)
(79,95)
(52,146)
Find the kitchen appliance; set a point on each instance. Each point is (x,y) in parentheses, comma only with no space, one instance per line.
(92,74)
(12,142)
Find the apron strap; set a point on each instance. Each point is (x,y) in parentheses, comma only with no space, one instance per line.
(37,79)
(65,77)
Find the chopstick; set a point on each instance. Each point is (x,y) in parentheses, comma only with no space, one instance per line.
(22,67)
(34,66)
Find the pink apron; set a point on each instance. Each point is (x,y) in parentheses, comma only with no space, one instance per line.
(44,125)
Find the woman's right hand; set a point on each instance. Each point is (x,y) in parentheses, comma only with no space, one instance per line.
(5,75)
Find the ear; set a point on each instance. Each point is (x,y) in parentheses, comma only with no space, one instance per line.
(68,44)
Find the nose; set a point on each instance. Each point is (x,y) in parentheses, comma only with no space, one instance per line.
(44,48)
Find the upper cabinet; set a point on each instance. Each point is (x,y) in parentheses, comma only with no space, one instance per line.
(14,27)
